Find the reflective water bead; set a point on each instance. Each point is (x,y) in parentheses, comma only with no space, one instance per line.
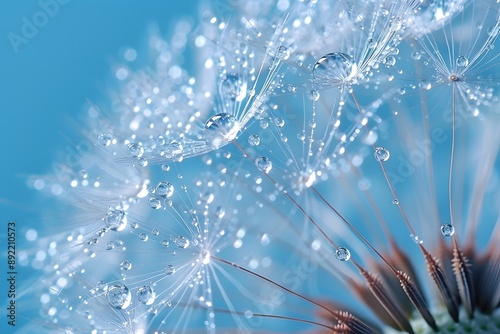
(264,164)
(395,201)
(105,139)
(219,212)
(416,55)
(282,53)
(119,296)
(182,242)
(169,270)
(342,254)
(462,61)
(135,150)
(279,122)
(101,286)
(447,230)
(126,265)
(146,295)
(143,236)
(390,61)
(164,189)
(313,95)
(220,129)
(165,243)
(334,68)
(382,154)
(254,140)
(115,220)
(371,43)
(154,203)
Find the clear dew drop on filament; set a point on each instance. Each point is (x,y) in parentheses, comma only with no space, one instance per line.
(382,154)
(169,270)
(146,295)
(254,140)
(220,129)
(342,254)
(126,265)
(135,150)
(164,189)
(154,203)
(264,164)
(462,61)
(115,220)
(447,230)
(119,296)
(334,69)
(282,53)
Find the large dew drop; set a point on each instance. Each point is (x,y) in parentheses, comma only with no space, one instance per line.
(119,296)
(115,220)
(447,230)
(220,129)
(335,68)
(342,254)
(264,164)
(382,154)
(146,295)
(164,189)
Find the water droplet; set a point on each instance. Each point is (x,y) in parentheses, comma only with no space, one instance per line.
(232,88)
(164,189)
(447,230)
(395,201)
(119,296)
(134,150)
(371,43)
(101,286)
(390,61)
(279,122)
(165,243)
(282,53)
(146,295)
(416,239)
(182,242)
(382,154)
(219,212)
(105,139)
(115,220)
(143,236)
(313,95)
(334,68)
(154,203)
(126,265)
(462,61)
(110,245)
(248,314)
(169,270)
(342,254)
(425,85)
(416,55)
(254,140)
(264,164)
(220,129)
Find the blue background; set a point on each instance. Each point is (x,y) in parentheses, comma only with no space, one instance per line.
(46,83)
